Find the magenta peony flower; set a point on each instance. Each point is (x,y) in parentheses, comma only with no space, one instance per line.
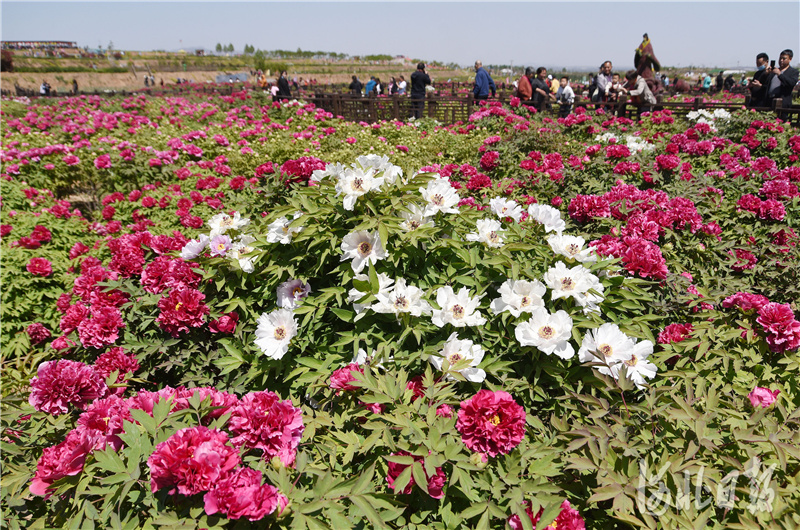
(435,483)
(675,333)
(182,309)
(490,160)
(491,422)
(77,250)
(567,519)
(62,460)
(168,273)
(41,234)
(37,332)
(746,301)
(341,378)
(102,162)
(61,383)
(40,267)
(763,397)
(103,421)
(782,329)
(242,495)
(102,329)
(191,461)
(262,421)
(115,360)
(224,324)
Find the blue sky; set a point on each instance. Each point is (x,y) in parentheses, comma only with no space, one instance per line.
(567,34)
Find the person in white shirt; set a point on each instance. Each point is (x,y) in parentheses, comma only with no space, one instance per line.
(401,86)
(565,97)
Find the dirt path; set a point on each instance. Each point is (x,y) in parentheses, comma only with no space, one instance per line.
(90,81)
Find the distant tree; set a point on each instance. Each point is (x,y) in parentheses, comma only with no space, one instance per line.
(229,48)
(218,48)
(249,49)
(111,45)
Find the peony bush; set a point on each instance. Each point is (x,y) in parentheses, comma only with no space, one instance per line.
(225,313)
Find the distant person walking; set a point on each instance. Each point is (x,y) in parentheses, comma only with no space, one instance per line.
(419,80)
(74,87)
(483,83)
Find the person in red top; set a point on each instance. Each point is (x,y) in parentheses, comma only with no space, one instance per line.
(524,88)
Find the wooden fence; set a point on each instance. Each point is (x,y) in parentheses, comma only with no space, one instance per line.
(448,109)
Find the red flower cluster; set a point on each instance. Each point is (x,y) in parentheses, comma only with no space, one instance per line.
(59,384)
(781,327)
(262,421)
(242,494)
(168,273)
(116,360)
(491,422)
(191,461)
(340,379)
(490,160)
(435,483)
(181,309)
(567,519)
(300,170)
(746,301)
(40,267)
(675,333)
(37,333)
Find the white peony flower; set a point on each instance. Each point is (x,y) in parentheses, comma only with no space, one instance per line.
(548,216)
(354,295)
(638,367)
(458,354)
(456,309)
(361,358)
(275,331)
(575,282)
(606,344)
(571,247)
(223,222)
(242,252)
(503,208)
(381,164)
(549,333)
(517,296)
(488,233)
(280,232)
(414,218)
(194,247)
(331,170)
(441,197)
(291,293)
(354,183)
(362,247)
(402,299)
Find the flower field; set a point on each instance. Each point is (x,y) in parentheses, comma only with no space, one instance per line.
(223,312)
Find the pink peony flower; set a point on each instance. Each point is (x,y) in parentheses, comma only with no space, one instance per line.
(782,329)
(341,378)
(102,162)
(116,360)
(191,461)
(490,160)
(224,324)
(63,460)
(242,495)
(491,422)
(675,333)
(182,309)
(567,519)
(435,483)
(37,333)
(40,267)
(103,421)
(61,383)
(262,421)
(763,397)
(102,329)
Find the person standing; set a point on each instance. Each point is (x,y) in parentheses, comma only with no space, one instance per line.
(419,80)
(370,86)
(401,86)
(565,97)
(541,90)
(758,88)
(782,81)
(284,92)
(524,88)
(603,82)
(706,83)
(74,87)
(355,87)
(483,83)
